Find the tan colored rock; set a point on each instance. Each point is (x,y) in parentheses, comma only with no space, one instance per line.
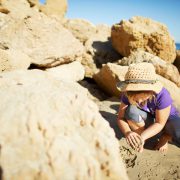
(69,72)
(48,131)
(54,7)
(89,65)
(177,61)
(13,59)
(108,77)
(42,38)
(173,90)
(4,10)
(51,7)
(165,69)
(96,39)
(100,49)
(146,34)
(18,9)
(80,28)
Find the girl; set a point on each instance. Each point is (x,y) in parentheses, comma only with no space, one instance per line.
(146,109)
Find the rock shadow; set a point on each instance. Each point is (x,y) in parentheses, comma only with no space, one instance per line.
(104,53)
(112,120)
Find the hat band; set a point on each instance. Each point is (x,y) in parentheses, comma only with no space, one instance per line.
(140,81)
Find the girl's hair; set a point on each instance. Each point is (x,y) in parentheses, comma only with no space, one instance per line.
(131,95)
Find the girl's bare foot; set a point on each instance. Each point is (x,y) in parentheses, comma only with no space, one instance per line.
(162,145)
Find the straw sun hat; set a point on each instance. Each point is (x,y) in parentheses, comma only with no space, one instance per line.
(140,77)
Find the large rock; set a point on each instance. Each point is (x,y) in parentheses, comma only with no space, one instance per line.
(80,28)
(69,72)
(177,61)
(108,77)
(48,131)
(42,38)
(96,39)
(99,46)
(146,34)
(16,8)
(54,7)
(13,59)
(163,68)
(23,7)
(173,90)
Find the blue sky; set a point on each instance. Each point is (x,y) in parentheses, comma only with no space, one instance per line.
(112,11)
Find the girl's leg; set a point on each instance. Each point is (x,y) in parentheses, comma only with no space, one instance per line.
(137,119)
(171,133)
(172,128)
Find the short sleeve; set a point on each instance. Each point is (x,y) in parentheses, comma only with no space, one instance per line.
(124,99)
(163,100)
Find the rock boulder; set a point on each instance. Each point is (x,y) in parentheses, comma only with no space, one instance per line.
(146,34)
(51,130)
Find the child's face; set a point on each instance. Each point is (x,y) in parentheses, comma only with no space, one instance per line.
(139,98)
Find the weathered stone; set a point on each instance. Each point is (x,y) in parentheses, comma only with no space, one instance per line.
(54,7)
(18,9)
(96,40)
(69,72)
(89,65)
(80,28)
(42,38)
(108,77)
(100,47)
(173,90)
(48,131)
(146,34)
(13,59)
(177,61)
(165,69)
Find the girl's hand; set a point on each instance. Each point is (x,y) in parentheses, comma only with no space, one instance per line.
(135,141)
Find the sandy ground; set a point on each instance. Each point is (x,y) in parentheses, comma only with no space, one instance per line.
(148,165)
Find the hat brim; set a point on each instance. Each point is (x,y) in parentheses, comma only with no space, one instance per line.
(156,87)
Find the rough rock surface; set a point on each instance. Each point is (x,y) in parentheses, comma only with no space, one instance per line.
(69,72)
(17,8)
(98,46)
(13,59)
(42,38)
(177,61)
(80,28)
(163,68)
(108,77)
(144,33)
(173,90)
(48,131)
(54,7)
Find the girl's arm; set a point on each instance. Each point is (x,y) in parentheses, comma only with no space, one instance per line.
(132,138)
(123,125)
(161,119)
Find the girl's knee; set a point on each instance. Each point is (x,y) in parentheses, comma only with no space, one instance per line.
(132,113)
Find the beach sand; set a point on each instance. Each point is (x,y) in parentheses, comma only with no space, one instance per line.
(151,164)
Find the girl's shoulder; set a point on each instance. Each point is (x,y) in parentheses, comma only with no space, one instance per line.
(163,99)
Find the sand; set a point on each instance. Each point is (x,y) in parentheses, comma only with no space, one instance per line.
(151,164)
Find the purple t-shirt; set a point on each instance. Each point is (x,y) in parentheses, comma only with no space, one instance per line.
(161,101)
